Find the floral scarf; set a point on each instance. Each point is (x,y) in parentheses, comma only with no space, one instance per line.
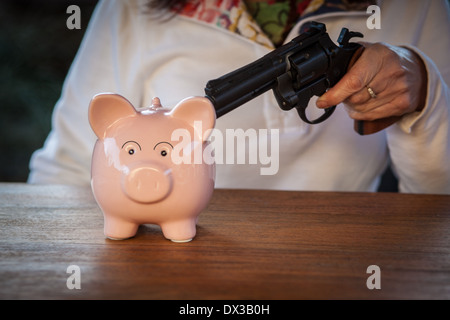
(266,22)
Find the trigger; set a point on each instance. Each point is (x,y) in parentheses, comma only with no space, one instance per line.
(327,113)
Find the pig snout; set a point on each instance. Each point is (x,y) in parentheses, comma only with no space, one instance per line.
(147,182)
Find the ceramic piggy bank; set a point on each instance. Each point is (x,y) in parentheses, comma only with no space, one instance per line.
(146,168)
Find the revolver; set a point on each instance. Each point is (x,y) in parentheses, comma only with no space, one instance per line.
(307,66)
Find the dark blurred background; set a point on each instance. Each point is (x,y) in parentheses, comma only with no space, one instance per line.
(36,51)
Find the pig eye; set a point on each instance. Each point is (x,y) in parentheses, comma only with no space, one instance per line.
(131,147)
(163,148)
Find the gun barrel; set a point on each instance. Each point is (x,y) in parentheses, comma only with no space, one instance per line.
(244,84)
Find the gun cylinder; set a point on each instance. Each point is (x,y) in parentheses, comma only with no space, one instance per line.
(308,65)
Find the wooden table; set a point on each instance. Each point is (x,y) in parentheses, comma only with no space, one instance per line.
(249,245)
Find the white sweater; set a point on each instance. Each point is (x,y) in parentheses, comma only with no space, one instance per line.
(126,51)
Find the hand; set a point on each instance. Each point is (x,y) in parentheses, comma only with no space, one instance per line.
(396,75)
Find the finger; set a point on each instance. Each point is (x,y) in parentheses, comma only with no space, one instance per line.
(362,102)
(372,114)
(350,84)
(354,81)
(359,98)
(383,108)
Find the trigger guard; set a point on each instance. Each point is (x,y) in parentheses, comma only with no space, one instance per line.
(327,113)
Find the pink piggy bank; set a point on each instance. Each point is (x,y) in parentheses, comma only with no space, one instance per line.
(136,176)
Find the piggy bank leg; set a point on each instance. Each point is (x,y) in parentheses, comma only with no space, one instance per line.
(179,231)
(118,229)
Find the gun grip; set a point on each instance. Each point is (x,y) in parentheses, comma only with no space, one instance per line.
(369,127)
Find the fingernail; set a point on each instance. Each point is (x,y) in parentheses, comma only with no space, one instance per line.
(321,103)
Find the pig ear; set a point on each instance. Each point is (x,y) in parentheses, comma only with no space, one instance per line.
(105,109)
(198,112)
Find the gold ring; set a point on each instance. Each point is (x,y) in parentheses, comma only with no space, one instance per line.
(372,94)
